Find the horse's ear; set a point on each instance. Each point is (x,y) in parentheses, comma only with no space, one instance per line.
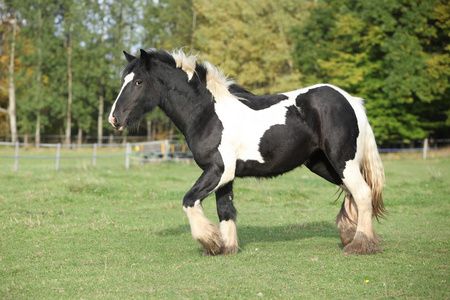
(144,55)
(129,57)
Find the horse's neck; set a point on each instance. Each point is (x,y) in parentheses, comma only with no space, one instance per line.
(186,106)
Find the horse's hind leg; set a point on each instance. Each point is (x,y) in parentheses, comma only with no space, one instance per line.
(347,219)
(227,216)
(365,240)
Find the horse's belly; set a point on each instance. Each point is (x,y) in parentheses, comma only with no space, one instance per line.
(281,149)
(253,168)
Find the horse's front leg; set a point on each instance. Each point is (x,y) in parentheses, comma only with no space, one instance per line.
(227,216)
(203,230)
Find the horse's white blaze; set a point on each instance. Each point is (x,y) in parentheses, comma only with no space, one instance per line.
(126,80)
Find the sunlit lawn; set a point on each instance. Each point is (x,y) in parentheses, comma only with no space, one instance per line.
(86,232)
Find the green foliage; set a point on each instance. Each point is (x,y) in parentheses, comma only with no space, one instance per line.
(395,54)
(168,24)
(247,40)
(102,232)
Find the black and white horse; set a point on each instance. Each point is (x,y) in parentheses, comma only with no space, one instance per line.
(234,133)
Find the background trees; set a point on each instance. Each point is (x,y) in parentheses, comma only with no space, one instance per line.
(395,54)
(63,58)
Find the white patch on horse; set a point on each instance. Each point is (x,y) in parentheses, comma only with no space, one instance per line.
(126,80)
(361,192)
(203,230)
(229,236)
(243,130)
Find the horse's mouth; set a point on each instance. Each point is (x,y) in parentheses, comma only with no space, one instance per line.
(115,123)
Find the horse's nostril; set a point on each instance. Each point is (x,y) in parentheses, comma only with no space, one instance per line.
(113,121)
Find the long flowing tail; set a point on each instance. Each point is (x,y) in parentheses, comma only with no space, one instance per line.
(373,173)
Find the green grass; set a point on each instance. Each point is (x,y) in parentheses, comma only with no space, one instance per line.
(105,232)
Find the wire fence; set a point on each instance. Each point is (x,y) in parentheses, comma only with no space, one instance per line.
(142,151)
(163,150)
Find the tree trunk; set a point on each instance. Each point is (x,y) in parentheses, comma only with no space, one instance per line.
(37,140)
(149,130)
(101,107)
(38,99)
(69,87)
(101,98)
(80,136)
(12,89)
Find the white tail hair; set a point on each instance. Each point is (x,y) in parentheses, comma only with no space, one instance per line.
(373,173)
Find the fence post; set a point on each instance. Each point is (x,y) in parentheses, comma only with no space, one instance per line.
(425,148)
(16,157)
(166,149)
(94,160)
(58,154)
(111,139)
(127,156)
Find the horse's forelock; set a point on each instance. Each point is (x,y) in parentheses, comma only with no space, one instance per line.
(131,65)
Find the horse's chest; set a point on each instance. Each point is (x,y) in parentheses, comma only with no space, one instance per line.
(243,128)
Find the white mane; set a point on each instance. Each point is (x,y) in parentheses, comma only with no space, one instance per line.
(216,80)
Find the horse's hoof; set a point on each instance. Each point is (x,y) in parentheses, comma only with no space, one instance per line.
(212,247)
(208,253)
(362,245)
(346,232)
(212,241)
(230,250)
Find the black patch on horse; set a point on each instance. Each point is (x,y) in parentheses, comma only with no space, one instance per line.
(329,113)
(255,102)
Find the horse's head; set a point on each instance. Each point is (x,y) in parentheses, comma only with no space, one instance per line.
(137,95)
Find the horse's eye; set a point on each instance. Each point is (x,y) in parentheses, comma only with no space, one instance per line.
(137,82)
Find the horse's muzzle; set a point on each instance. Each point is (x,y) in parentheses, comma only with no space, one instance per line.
(113,121)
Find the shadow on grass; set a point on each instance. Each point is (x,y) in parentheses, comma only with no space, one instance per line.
(249,234)
(291,232)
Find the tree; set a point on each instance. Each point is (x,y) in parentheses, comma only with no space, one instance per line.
(43,68)
(392,53)
(11,17)
(168,24)
(248,40)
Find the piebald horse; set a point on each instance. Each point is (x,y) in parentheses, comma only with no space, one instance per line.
(234,133)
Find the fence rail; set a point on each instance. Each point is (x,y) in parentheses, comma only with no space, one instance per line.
(160,150)
(157,151)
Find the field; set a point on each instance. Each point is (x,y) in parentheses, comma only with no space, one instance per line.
(105,232)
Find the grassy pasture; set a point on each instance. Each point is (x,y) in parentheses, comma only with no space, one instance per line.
(105,232)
